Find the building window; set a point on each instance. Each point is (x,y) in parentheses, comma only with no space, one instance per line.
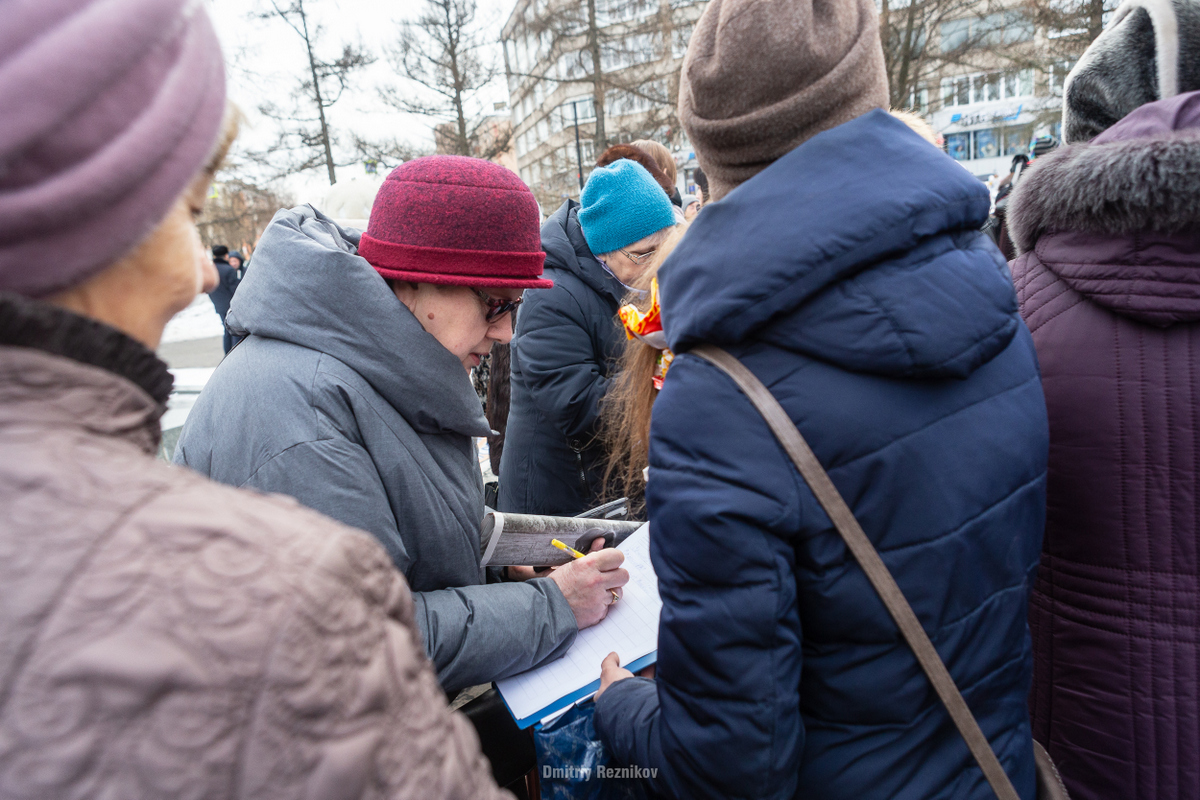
(1017,28)
(988,30)
(988,87)
(1010,84)
(609,12)
(962,91)
(1025,83)
(919,100)
(1016,140)
(570,66)
(1004,27)
(585,107)
(955,34)
(958,145)
(987,143)
(635,49)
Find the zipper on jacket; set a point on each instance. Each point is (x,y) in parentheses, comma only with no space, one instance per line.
(583,483)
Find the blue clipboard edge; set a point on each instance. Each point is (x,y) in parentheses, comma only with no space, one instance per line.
(576,696)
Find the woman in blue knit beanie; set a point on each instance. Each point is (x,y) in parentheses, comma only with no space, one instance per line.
(625,216)
(567,340)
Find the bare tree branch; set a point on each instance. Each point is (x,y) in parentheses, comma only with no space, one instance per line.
(301,146)
(921,38)
(445,54)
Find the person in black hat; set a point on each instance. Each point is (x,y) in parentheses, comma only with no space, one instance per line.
(222,294)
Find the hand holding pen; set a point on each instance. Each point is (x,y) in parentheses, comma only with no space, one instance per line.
(591,583)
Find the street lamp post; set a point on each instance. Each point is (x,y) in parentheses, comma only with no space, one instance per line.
(578,149)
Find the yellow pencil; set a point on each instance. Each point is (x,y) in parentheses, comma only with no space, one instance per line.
(566,548)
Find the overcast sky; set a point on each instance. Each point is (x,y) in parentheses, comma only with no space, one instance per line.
(264,59)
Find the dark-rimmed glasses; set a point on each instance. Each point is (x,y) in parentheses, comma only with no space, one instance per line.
(497,307)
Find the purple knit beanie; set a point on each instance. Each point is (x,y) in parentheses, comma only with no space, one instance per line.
(107,110)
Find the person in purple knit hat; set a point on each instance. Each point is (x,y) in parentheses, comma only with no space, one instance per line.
(164,636)
(1108,276)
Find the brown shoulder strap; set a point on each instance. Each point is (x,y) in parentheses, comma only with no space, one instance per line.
(864,552)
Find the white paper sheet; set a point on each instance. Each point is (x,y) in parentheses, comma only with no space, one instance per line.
(630,629)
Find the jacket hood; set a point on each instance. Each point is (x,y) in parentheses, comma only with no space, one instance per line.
(1118,218)
(566,249)
(310,287)
(860,247)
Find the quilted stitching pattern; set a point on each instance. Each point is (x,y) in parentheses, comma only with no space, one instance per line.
(1114,612)
(169,637)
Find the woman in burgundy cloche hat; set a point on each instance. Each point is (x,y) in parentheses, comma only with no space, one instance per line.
(351,393)
(163,635)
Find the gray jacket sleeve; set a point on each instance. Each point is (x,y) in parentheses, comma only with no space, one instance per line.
(472,634)
(478,634)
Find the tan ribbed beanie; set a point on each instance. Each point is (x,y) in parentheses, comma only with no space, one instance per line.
(763,76)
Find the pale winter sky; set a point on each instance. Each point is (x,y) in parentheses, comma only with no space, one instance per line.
(263,58)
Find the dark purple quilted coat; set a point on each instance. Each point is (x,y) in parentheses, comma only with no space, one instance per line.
(1109,284)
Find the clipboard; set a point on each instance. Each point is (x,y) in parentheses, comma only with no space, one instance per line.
(630,629)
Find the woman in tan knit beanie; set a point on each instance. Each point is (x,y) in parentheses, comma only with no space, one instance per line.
(842,264)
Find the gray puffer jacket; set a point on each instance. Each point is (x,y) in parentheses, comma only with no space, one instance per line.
(339,398)
(164,636)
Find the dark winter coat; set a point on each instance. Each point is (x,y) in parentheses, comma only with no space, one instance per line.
(886,325)
(227,284)
(340,399)
(1109,282)
(564,350)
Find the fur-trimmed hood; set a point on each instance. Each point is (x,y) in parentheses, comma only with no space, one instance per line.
(1118,219)
(1143,174)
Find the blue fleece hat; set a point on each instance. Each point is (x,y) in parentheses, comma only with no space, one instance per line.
(621,204)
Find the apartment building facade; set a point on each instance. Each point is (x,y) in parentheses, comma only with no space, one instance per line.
(996,85)
(553,86)
(991,82)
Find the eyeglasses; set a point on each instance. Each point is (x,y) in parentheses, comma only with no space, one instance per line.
(497,307)
(639,259)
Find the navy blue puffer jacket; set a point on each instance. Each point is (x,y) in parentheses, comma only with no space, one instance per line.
(850,277)
(565,347)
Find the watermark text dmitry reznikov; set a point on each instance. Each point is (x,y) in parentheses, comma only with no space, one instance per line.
(601,772)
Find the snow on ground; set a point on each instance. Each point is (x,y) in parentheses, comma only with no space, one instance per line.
(197,321)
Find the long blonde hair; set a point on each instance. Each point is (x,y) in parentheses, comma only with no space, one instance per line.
(625,414)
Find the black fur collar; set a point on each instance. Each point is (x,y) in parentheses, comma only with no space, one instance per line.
(1150,184)
(40,326)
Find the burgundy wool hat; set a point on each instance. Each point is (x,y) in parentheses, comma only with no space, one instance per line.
(455,220)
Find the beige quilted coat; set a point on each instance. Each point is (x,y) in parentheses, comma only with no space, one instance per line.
(165,636)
